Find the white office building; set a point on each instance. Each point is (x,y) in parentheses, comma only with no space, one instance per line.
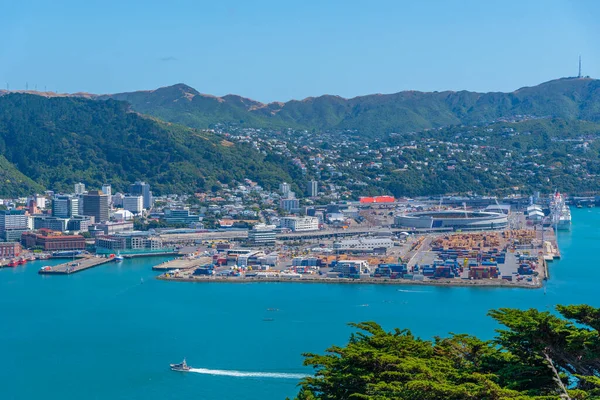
(300,224)
(135,204)
(262,233)
(79,188)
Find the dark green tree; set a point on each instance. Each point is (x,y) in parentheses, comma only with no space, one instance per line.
(537,355)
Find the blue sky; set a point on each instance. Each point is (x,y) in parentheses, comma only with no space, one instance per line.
(279,50)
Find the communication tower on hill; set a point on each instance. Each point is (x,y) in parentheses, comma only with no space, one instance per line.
(579,75)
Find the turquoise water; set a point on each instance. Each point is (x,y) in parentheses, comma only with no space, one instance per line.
(101,334)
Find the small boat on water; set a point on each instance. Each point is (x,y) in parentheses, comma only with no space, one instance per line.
(118,258)
(12,264)
(182,367)
(22,261)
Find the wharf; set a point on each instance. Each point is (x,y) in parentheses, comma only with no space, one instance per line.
(75,266)
(161,254)
(78,256)
(550,245)
(182,263)
(376,281)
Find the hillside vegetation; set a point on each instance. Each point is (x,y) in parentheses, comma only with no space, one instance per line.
(378,114)
(55,142)
(535,356)
(13,182)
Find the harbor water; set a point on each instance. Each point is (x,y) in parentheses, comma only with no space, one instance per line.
(112,331)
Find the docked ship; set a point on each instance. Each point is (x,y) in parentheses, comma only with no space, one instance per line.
(560,212)
(182,367)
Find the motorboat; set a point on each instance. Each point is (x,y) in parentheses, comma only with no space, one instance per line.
(182,367)
(118,258)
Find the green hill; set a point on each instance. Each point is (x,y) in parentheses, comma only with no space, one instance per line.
(568,98)
(14,183)
(55,142)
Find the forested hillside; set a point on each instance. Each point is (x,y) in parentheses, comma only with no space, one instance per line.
(55,142)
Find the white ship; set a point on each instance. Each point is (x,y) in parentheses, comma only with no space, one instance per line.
(560,212)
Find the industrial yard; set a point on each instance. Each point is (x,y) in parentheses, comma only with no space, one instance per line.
(508,258)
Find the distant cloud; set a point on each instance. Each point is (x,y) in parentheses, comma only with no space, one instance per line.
(168,58)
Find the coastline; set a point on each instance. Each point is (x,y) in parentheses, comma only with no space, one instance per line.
(441,282)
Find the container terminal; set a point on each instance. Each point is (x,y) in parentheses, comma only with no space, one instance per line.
(515,253)
(498,258)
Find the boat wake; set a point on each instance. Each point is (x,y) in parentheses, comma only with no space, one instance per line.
(242,374)
(412,291)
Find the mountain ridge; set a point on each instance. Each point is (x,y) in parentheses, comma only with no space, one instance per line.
(373,114)
(183,86)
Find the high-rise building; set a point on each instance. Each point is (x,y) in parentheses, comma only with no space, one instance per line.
(284,188)
(142,189)
(95,204)
(107,190)
(65,206)
(79,188)
(135,204)
(12,224)
(80,208)
(312,188)
(289,204)
(60,206)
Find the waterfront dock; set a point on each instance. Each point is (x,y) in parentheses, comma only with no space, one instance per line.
(159,254)
(550,245)
(75,266)
(276,278)
(182,263)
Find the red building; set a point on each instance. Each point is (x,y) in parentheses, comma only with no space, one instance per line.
(49,240)
(10,249)
(377,199)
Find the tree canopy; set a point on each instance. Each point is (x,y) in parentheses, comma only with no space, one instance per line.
(535,355)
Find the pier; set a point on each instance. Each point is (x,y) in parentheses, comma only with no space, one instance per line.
(75,266)
(182,263)
(549,244)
